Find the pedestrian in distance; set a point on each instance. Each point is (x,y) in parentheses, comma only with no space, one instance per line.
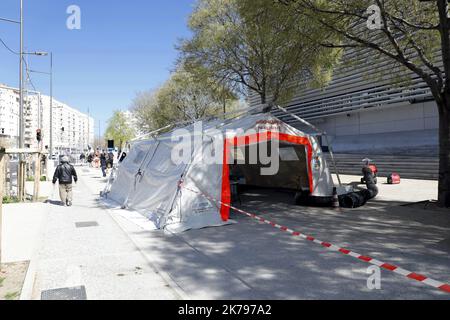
(90,159)
(103,163)
(65,173)
(110,160)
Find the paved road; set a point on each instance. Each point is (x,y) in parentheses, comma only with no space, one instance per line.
(247,260)
(102,258)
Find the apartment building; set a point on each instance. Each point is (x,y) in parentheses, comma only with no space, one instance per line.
(72,130)
(9,116)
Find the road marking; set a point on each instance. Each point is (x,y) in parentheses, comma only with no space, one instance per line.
(400,271)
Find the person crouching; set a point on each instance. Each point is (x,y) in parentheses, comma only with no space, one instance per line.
(65,173)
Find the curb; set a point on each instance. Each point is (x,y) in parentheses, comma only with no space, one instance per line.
(30,278)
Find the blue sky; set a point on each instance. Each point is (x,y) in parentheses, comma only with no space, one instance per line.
(123,47)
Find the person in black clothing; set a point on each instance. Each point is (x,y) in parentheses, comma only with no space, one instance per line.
(65,173)
(370,178)
(110,160)
(103,163)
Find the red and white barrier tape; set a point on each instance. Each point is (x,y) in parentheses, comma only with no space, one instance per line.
(411,275)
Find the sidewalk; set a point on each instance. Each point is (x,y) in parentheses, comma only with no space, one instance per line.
(84,248)
(119,259)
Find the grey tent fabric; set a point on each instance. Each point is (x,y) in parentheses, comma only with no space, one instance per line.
(148,181)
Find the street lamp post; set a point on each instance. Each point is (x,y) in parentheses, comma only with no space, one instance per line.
(21,111)
(50,74)
(51,106)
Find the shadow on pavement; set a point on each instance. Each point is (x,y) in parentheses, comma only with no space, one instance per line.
(54,203)
(250,260)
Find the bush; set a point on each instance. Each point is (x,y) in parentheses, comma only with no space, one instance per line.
(43,179)
(8,200)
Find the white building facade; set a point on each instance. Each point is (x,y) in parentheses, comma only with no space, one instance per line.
(73,131)
(365,113)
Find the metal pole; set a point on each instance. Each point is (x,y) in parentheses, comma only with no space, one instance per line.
(51,107)
(99,132)
(39,112)
(89,129)
(21,173)
(2,178)
(21,111)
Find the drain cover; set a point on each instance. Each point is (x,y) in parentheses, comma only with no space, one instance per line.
(87,224)
(76,293)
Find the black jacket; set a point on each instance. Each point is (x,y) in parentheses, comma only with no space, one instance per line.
(64,174)
(103,162)
(369,176)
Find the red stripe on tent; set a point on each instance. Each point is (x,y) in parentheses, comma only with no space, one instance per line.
(252,139)
(310,238)
(296,234)
(306,142)
(417,277)
(326,244)
(284,228)
(226,186)
(389,267)
(344,251)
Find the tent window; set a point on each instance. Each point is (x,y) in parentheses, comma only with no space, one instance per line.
(288,154)
(292,173)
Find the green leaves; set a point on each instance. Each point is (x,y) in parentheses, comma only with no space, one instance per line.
(257,46)
(120,129)
(188,95)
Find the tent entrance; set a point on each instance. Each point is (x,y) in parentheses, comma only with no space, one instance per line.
(292,173)
(295,165)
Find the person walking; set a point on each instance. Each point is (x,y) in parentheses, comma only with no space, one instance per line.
(103,163)
(65,173)
(110,160)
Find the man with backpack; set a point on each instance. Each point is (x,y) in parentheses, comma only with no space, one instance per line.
(65,173)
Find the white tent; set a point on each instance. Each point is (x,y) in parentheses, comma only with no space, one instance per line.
(150,182)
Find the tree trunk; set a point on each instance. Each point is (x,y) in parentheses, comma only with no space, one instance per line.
(444,153)
(266,107)
(263,98)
